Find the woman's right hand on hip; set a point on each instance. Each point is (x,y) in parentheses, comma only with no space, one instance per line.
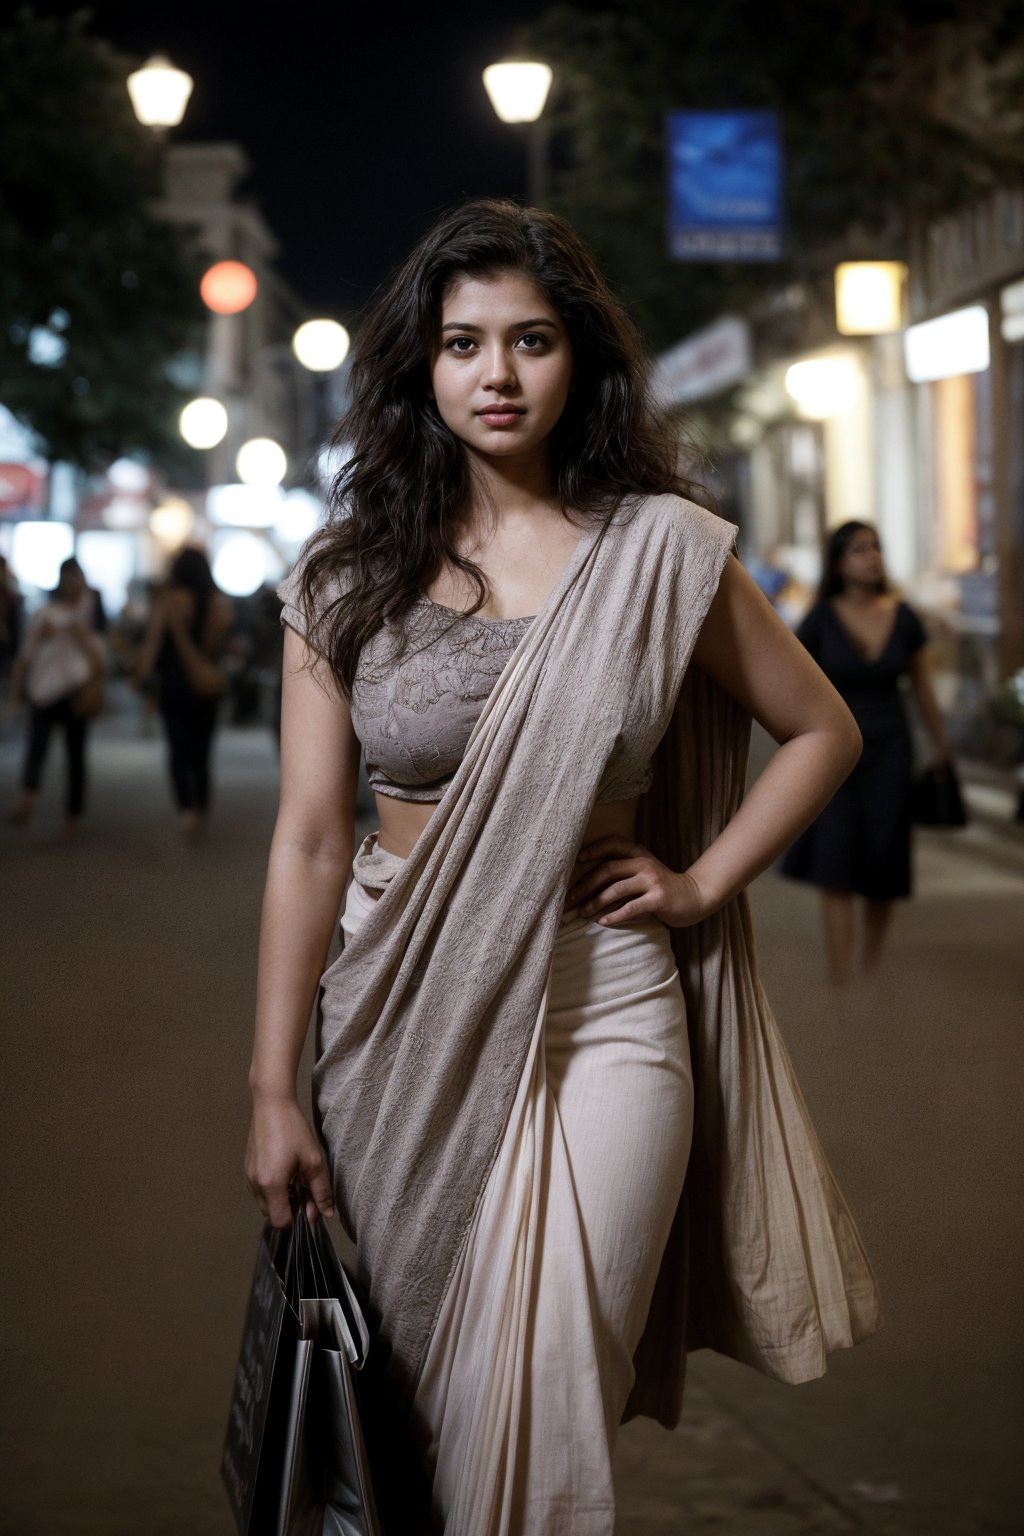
(282,1151)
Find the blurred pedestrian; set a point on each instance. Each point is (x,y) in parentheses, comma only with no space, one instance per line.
(866,640)
(11,609)
(187,635)
(59,670)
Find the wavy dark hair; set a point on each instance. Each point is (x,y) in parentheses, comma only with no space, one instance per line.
(836,545)
(396,506)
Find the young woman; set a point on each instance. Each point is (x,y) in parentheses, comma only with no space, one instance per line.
(187,633)
(546,949)
(865,639)
(61,656)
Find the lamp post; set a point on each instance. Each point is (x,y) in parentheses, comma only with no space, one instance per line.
(159,93)
(518,90)
(321,346)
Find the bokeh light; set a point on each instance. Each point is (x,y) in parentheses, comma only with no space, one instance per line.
(228,287)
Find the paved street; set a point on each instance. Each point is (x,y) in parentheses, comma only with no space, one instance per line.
(129,970)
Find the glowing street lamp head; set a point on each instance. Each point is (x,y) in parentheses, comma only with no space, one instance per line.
(159,93)
(261,461)
(203,423)
(321,345)
(869,297)
(228,287)
(518,90)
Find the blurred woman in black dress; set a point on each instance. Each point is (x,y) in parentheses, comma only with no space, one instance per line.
(188,632)
(865,639)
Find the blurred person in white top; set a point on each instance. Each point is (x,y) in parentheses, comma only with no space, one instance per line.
(57,671)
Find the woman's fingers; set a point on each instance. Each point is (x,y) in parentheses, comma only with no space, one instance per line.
(619,890)
(316,1180)
(594,879)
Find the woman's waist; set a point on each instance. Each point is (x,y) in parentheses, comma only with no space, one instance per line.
(381,854)
(403,821)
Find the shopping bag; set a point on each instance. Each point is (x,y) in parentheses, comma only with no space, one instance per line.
(295,1461)
(253,1457)
(936,799)
(326,1484)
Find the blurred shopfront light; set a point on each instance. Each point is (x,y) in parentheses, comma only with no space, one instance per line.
(517,89)
(129,477)
(37,550)
(203,423)
(159,93)
(823,386)
(321,345)
(240,563)
(945,348)
(171,523)
(261,462)
(298,515)
(125,513)
(228,287)
(244,506)
(869,297)
(109,562)
(1012,304)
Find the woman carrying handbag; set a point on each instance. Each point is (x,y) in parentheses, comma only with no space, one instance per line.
(866,639)
(187,634)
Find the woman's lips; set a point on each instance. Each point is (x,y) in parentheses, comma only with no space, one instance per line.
(501,416)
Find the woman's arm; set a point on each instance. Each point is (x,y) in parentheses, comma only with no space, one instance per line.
(746,647)
(928,703)
(310,861)
(150,647)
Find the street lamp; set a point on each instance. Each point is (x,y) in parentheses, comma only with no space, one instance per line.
(869,297)
(261,462)
(159,93)
(321,345)
(203,423)
(518,90)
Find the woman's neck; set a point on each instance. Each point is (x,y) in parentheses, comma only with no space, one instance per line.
(506,490)
(859,594)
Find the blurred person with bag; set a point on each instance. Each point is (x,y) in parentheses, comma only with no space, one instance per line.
(866,639)
(187,634)
(59,670)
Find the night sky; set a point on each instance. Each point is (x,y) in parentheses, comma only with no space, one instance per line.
(361,121)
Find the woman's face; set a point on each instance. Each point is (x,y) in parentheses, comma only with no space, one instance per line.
(862,559)
(502,365)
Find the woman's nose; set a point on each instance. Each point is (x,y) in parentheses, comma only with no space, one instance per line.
(499,370)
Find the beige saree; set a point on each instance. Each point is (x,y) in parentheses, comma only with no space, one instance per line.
(429,1014)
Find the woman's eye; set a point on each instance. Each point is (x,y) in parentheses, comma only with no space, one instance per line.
(536,342)
(459,344)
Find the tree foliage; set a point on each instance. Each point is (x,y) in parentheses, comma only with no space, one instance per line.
(97,294)
(891,111)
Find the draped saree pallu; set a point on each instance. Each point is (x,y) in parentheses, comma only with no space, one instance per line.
(435,1093)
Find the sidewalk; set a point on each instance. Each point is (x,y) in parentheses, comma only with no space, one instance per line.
(130,1233)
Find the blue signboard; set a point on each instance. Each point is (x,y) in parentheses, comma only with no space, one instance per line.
(724,186)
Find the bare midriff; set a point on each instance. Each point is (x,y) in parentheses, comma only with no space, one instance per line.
(402,821)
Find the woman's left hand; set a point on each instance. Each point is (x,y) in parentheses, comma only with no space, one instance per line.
(627,882)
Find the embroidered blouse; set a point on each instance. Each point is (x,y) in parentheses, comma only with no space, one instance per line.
(414,709)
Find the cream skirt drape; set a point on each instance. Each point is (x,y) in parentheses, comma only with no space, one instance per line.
(530,1364)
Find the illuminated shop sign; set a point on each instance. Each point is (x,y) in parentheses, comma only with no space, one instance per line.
(724,186)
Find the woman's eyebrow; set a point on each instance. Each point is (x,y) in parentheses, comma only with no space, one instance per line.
(518,325)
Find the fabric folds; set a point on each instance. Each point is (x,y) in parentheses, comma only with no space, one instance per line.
(428,1015)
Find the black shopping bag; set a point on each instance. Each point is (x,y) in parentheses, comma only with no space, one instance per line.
(294,1461)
